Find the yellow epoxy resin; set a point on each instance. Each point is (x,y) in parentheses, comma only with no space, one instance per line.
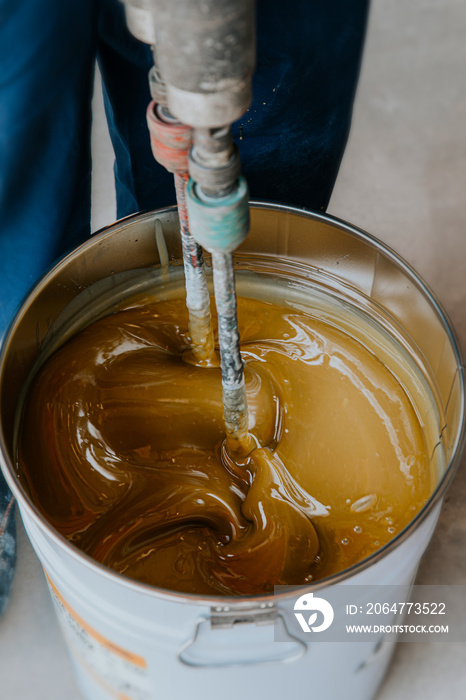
(121,445)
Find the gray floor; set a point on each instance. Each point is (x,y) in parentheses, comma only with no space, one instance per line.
(403,179)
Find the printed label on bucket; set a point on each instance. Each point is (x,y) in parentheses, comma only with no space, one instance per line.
(122,674)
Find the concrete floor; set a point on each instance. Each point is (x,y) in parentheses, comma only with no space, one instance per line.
(403,179)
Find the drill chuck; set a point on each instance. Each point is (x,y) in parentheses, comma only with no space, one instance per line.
(206,52)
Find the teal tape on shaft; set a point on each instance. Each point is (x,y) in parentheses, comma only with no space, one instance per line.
(220,224)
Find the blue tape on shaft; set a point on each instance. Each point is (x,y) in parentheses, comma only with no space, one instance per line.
(219,224)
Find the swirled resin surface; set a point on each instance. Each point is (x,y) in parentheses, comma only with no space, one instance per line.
(121,447)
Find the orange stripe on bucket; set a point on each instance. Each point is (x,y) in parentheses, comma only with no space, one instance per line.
(119,651)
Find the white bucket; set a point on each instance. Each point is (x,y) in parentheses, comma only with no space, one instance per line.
(135,642)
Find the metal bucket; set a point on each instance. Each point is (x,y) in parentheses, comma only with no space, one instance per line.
(131,641)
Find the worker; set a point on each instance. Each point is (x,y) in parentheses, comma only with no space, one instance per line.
(291,139)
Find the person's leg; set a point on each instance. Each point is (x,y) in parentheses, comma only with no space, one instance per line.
(7,543)
(47,54)
(292,138)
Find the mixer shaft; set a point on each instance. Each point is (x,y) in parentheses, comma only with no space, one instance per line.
(235,407)
(170,142)
(197,292)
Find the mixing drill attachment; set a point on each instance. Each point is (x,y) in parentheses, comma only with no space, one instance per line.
(206,55)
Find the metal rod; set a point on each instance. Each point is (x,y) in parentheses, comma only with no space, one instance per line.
(197,293)
(235,405)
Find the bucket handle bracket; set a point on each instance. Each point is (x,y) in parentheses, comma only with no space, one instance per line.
(223,618)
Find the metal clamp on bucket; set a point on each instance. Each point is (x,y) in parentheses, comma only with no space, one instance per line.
(209,647)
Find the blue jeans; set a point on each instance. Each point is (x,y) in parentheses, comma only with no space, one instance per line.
(292,138)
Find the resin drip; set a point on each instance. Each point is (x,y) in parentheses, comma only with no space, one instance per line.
(121,447)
